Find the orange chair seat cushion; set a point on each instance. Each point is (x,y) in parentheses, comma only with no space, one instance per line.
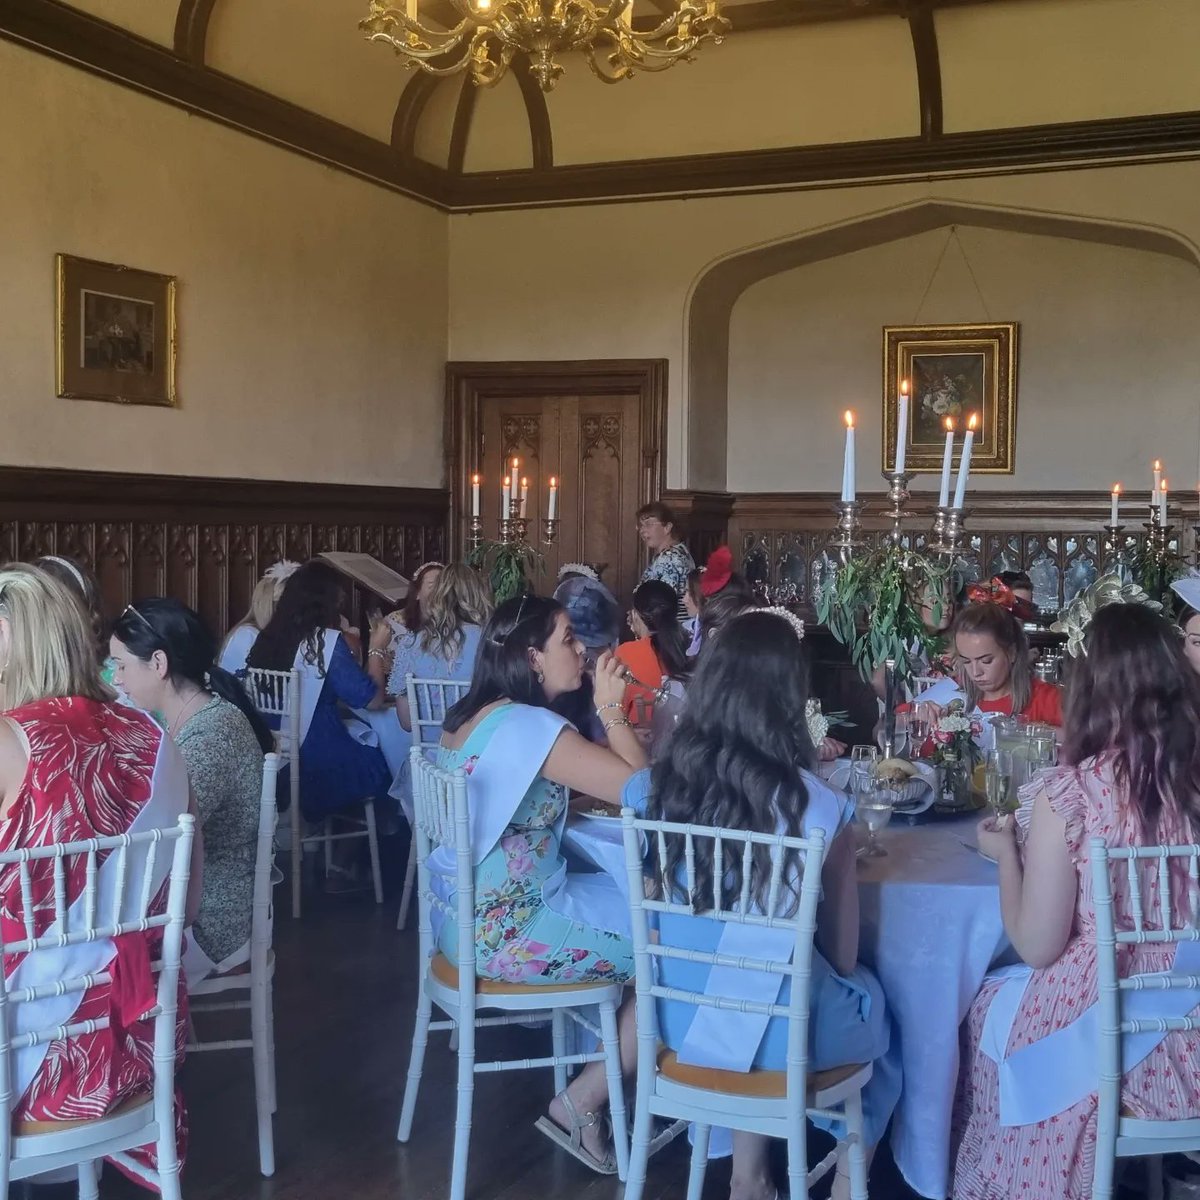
(769,1085)
(26,1128)
(445,972)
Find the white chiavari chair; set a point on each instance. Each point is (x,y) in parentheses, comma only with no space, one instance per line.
(428,700)
(277,694)
(25,1152)
(1156,921)
(773,1103)
(442,820)
(258,982)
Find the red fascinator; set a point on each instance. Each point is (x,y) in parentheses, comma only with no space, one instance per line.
(996,591)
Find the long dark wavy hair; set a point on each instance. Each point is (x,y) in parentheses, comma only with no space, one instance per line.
(163,623)
(311,602)
(736,757)
(502,667)
(658,606)
(1010,636)
(1133,695)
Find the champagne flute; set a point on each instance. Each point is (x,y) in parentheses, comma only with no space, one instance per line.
(918,733)
(998,781)
(873,809)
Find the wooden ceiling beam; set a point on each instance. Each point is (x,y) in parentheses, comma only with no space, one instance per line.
(191,29)
(929,67)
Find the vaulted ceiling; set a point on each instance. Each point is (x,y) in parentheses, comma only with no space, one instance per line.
(801,93)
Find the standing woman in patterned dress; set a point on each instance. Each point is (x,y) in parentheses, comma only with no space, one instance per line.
(670,559)
(1132,778)
(75,765)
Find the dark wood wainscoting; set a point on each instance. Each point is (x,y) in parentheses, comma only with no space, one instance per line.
(704,517)
(207,541)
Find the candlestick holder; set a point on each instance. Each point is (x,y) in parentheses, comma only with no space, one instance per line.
(897,496)
(506,529)
(475,533)
(549,530)
(947,531)
(520,529)
(1116,559)
(846,540)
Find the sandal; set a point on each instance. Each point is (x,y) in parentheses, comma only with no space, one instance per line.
(570,1140)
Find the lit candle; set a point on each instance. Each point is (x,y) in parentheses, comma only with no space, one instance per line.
(964,465)
(475,482)
(507,496)
(552,511)
(513,477)
(1157,482)
(848,460)
(947,457)
(901,426)
(524,494)
(1162,503)
(1114,519)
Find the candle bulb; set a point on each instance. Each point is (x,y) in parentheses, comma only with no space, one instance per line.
(1114,519)
(507,497)
(901,427)
(1157,467)
(947,458)
(1162,503)
(524,494)
(964,466)
(552,511)
(475,482)
(516,463)
(848,460)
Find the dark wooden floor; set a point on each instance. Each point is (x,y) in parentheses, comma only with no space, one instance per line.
(344,1002)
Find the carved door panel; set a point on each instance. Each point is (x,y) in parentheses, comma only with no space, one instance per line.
(592,445)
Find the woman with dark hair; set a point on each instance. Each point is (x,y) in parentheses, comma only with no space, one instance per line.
(717,611)
(532,925)
(336,769)
(1131,776)
(741,758)
(1188,620)
(239,639)
(164,655)
(670,559)
(659,651)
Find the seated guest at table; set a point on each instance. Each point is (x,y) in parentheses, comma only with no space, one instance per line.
(693,597)
(337,770)
(75,765)
(593,609)
(993,668)
(1188,591)
(232,655)
(1132,778)
(720,607)
(658,652)
(670,559)
(740,759)
(164,655)
(410,618)
(81,583)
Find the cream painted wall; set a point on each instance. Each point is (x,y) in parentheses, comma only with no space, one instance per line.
(312,306)
(1108,371)
(614,280)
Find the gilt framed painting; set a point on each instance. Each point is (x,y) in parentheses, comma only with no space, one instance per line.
(115,333)
(953,371)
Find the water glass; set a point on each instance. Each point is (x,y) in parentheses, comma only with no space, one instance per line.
(872,809)
(900,741)
(862,762)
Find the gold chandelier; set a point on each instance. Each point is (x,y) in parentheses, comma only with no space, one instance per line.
(483,36)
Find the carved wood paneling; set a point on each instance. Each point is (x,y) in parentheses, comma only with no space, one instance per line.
(207,541)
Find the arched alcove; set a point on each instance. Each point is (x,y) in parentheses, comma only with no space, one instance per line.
(719,287)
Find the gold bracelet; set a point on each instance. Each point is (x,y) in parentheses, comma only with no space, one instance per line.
(615,722)
(611,704)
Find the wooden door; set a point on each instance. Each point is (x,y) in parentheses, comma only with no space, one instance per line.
(596,427)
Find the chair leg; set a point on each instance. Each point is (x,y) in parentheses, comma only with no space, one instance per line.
(639,1154)
(616,1087)
(857,1150)
(1103,1172)
(416,1064)
(797,1156)
(89,1181)
(699,1162)
(297,860)
(1154,1177)
(271,1045)
(558,1040)
(373,847)
(168,1161)
(410,876)
(462,1112)
(260,1032)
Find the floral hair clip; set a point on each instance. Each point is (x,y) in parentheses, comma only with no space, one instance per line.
(578,569)
(789,616)
(996,591)
(284,569)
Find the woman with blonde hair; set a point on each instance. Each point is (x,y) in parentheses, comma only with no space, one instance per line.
(236,647)
(75,765)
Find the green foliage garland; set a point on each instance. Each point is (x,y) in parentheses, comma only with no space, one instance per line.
(510,566)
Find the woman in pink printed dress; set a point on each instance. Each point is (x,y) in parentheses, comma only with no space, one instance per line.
(1132,711)
(74,764)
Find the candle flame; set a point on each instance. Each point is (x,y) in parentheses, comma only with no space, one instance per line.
(475,478)
(849,419)
(1163,489)
(1116,489)
(971,422)
(554,481)
(524,481)
(904,387)
(949,424)
(1157,465)
(507,481)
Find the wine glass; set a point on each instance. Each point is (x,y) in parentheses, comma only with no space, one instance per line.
(918,732)
(873,809)
(998,781)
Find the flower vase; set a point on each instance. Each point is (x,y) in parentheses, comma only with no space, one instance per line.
(954,778)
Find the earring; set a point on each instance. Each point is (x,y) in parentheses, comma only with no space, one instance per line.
(540,677)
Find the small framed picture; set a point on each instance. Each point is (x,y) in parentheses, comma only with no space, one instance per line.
(115,333)
(953,372)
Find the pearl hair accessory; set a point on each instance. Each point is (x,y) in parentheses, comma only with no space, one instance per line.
(789,616)
(578,569)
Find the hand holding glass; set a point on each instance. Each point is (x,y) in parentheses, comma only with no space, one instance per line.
(998,780)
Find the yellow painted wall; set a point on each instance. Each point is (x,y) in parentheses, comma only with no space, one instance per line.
(312,306)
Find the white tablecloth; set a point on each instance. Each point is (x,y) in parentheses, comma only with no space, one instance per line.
(931,927)
(598,842)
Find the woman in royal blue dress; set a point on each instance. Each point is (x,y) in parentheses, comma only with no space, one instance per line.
(339,767)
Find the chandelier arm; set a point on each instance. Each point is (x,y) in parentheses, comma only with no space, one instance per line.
(426,56)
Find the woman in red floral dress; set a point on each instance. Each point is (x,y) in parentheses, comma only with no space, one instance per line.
(74,765)
(1132,712)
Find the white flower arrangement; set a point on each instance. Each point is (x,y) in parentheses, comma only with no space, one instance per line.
(818,722)
(954,723)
